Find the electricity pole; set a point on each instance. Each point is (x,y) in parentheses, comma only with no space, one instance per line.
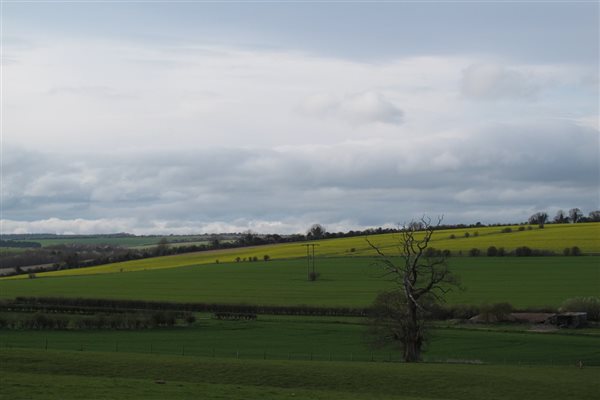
(308,258)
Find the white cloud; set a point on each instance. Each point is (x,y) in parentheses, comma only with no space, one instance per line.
(356,108)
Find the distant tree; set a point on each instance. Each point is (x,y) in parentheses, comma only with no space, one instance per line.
(561,217)
(163,247)
(266,257)
(594,216)
(492,251)
(316,231)
(575,215)
(539,218)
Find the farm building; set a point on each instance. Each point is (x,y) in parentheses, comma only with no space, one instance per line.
(569,320)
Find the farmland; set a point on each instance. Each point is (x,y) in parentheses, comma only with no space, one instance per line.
(345,281)
(319,338)
(279,356)
(553,237)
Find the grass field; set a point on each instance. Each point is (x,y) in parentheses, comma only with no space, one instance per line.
(300,338)
(27,374)
(349,281)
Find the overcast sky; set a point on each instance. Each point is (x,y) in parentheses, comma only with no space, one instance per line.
(207,117)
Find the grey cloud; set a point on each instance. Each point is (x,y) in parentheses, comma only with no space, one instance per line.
(495,81)
(516,168)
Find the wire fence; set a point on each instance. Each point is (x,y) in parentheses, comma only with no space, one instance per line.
(195,350)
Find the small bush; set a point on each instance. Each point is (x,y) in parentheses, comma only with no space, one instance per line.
(529,228)
(590,305)
(575,251)
(492,251)
(501,252)
(521,228)
(474,252)
(506,230)
(453,236)
(352,250)
(567,251)
(266,257)
(476,233)
(31,275)
(467,234)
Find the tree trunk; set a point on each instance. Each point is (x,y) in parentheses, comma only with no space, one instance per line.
(412,336)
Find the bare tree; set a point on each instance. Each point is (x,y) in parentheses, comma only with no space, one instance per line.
(561,217)
(539,218)
(575,215)
(422,279)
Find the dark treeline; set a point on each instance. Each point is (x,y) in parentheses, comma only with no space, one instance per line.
(121,321)
(58,304)
(108,306)
(19,244)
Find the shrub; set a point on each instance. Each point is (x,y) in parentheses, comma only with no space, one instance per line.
(521,228)
(492,251)
(501,252)
(474,252)
(352,250)
(453,236)
(496,312)
(476,233)
(523,251)
(567,251)
(467,234)
(266,257)
(590,305)
(31,275)
(529,228)
(575,251)
(507,230)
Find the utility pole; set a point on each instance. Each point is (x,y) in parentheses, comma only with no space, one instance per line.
(308,258)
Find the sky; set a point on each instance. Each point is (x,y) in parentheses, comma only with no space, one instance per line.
(205,117)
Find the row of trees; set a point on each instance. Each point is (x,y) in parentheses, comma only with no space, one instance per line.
(574,215)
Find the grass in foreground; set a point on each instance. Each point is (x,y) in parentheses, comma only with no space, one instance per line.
(345,281)
(30,374)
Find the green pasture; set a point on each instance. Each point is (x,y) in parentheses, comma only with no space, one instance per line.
(349,281)
(300,338)
(34,374)
(553,237)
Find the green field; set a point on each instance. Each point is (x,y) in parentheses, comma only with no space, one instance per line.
(303,338)
(553,237)
(31,374)
(349,281)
